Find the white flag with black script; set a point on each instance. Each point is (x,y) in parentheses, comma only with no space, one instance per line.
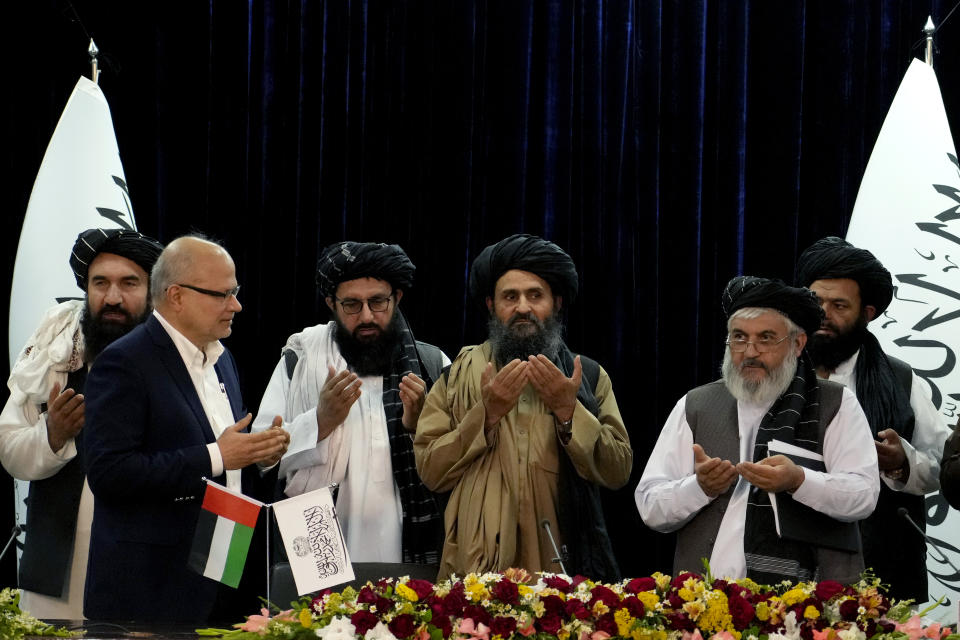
(80,185)
(313,540)
(908,214)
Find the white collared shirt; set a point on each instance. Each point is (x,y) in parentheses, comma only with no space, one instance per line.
(212,393)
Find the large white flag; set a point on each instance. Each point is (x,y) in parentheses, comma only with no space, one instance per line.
(908,214)
(80,185)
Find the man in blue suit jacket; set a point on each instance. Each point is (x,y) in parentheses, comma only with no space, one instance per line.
(163,412)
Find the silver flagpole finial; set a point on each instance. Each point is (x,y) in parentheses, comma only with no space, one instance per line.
(928,31)
(93,52)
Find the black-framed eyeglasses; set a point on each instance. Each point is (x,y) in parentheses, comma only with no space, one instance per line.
(763,345)
(376,304)
(210,292)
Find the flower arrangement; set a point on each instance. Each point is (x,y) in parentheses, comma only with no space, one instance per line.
(514,605)
(15,624)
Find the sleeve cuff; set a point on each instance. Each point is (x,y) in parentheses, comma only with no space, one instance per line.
(216,460)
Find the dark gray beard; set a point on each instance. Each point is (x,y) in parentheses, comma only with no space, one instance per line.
(368,357)
(509,345)
(97,334)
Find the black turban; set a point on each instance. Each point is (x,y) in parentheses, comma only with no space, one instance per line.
(798,304)
(347,260)
(131,245)
(834,257)
(526,253)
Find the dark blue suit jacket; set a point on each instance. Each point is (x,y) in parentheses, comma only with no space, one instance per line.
(145,443)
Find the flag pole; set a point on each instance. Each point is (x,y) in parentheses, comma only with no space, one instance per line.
(93,52)
(269,599)
(928,31)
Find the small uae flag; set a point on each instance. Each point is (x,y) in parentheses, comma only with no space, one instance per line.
(223,534)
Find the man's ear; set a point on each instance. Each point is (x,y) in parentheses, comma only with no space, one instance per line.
(489,304)
(330,304)
(801,342)
(869,312)
(558,302)
(399,294)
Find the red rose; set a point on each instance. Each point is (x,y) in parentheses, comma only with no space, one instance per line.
(423,588)
(363,621)
(558,583)
(577,579)
(575,608)
(677,582)
(477,614)
(741,611)
(640,584)
(550,623)
(826,589)
(634,606)
(607,624)
(848,610)
(553,605)
(384,605)
(402,626)
(444,624)
(366,596)
(680,622)
(503,626)
(605,595)
(676,602)
(506,592)
(455,601)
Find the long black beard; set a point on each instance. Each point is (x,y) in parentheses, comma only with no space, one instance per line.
(829,351)
(369,357)
(510,345)
(97,334)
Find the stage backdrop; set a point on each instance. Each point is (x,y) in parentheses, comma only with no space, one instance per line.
(667,146)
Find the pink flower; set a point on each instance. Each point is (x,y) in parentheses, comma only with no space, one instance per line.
(423,634)
(694,635)
(527,631)
(722,635)
(478,632)
(258,623)
(599,635)
(823,634)
(912,627)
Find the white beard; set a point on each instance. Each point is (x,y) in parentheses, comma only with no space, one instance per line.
(758,392)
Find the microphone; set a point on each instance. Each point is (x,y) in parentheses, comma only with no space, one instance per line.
(546,527)
(903,513)
(17,530)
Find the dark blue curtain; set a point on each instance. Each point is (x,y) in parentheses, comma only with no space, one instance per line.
(666,145)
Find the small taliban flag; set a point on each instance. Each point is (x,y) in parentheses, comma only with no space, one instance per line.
(313,540)
(224,530)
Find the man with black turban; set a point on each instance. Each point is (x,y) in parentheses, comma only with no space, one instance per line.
(40,427)
(350,392)
(720,461)
(521,431)
(854,288)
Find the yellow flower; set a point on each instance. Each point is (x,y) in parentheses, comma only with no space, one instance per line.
(686,594)
(525,590)
(717,616)
(662,580)
(406,592)
(693,609)
(649,600)
(763,611)
(811,613)
(563,633)
(305,618)
(794,596)
(477,592)
(624,622)
(599,608)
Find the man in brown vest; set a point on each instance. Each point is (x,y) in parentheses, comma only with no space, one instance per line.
(743,460)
